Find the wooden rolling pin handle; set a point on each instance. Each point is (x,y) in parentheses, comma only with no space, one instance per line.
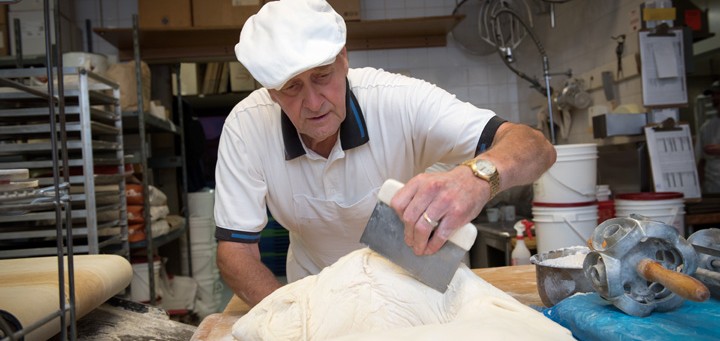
(681,284)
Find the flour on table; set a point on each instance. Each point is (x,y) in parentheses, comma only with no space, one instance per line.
(364,296)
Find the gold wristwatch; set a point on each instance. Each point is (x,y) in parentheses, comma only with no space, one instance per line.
(485,169)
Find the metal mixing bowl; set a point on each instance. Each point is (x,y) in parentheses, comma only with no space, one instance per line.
(558,281)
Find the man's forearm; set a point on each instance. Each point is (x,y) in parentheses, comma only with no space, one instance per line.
(243,271)
(521,154)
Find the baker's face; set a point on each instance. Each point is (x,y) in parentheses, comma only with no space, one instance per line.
(314,101)
(716,100)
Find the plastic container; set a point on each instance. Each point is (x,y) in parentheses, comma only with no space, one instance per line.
(203,260)
(201,204)
(520,254)
(606,210)
(602,192)
(140,285)
(563,225)
(665,207)
(202,231)
(572,178)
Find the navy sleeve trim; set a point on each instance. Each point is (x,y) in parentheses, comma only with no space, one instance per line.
(488,134)
(236,236)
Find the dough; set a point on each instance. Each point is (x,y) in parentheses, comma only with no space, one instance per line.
(364,296)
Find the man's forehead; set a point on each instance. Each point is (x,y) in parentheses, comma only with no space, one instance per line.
(315,70)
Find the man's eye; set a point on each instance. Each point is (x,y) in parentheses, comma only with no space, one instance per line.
(292,88)
(323,77)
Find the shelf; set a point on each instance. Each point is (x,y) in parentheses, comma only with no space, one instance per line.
(200,44)
(161,240)
(153,123)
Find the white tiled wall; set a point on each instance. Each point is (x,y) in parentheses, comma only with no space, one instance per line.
(581,41)
(105,13)
(481,80)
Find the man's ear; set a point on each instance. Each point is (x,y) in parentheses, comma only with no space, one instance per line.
(272,95)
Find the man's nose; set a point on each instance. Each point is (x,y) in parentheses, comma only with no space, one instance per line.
(313,98)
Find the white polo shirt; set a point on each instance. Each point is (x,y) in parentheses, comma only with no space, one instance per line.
(395,127)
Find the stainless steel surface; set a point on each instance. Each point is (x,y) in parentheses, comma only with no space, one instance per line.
(707,245)
(492,245)
(619,245)
(385,235)
(555,283)
(607,125)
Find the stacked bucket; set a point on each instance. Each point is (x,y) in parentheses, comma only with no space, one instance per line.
(665,207)
(203,250)
(565,209)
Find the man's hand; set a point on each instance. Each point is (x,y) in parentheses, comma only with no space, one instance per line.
(449,198)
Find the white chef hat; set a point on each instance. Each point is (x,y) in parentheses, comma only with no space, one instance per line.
(288,37)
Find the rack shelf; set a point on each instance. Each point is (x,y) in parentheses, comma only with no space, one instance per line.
(198,44)
(94,159)
(152,123)
(163,239)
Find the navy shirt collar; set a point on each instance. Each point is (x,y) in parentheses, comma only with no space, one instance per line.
(353,131)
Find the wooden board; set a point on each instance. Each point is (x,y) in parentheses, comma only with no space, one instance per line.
(518,281)
(29,287)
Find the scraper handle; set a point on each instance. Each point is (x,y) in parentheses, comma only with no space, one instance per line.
(681,284)
(463,237)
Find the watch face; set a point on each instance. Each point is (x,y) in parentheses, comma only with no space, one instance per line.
(485,167)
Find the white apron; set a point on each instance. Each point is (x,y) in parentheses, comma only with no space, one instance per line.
(326,231)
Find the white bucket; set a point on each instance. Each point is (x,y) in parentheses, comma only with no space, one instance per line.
(202,231)
(563,225)
(203,260)
(603,192)
(665,207)
(201,204)
(572,178)
(140,285)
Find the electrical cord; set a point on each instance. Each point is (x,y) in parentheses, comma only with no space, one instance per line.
(547,90)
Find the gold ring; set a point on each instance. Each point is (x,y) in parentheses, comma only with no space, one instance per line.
(432,223)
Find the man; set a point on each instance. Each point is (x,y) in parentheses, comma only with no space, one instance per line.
(316,143)
(707,147)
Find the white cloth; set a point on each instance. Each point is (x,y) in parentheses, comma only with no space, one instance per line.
(364,296)
(288,37)
(709,134)
(325,203)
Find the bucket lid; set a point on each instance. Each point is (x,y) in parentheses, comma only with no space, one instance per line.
(650,196)
(569,204)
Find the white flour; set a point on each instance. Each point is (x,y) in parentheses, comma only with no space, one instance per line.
(574,261)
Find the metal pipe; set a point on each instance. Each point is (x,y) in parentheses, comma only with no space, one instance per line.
(546,66)
(546,73)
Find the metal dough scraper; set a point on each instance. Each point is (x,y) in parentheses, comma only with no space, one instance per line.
(385,235)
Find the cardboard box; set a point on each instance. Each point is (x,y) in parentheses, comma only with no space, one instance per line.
(4,48)
(164,13)
(4,43)
(227,13)
(189,80)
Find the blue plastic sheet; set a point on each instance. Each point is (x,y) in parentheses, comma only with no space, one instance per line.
(590,317)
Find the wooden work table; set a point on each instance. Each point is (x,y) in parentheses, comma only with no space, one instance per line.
(518,281)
